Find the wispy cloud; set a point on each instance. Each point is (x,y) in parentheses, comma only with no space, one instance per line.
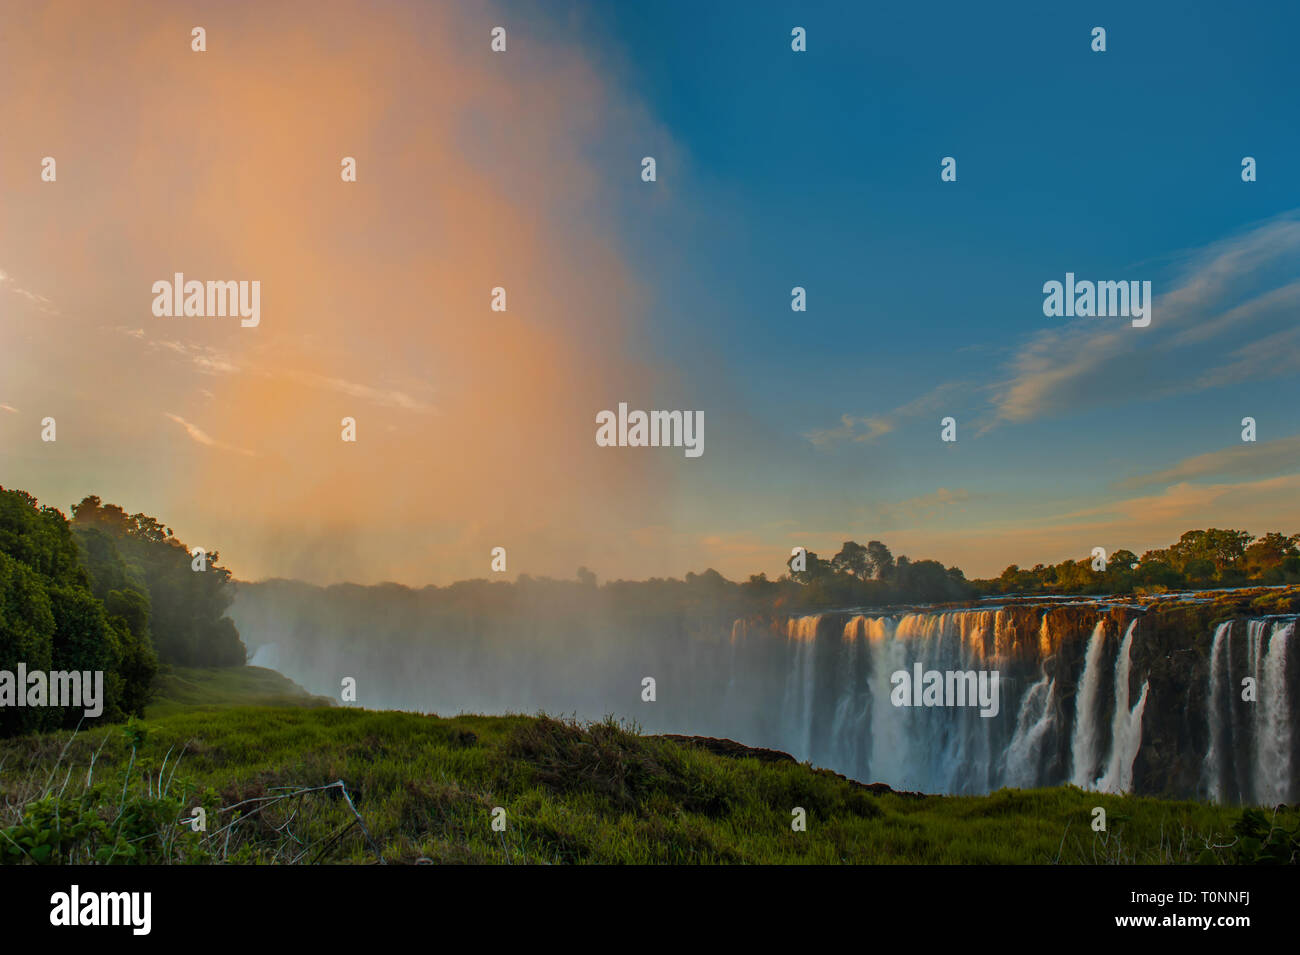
(202,437)
(214,361)
(851,429)
(40,301)
(1186,501)
(926,506)
(868,428)
(1227,318)
(1244,460)
(387,397)
(206,359)
(1240,288)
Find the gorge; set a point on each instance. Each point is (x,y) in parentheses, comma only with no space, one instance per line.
(1190,696)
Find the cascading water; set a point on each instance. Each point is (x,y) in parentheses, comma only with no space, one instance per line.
(1248,713)
(1087,720)
(1126,725)
(1034,722)
(850,711)
(1273,741)
(797,706)
(1069,712)
(1216,705)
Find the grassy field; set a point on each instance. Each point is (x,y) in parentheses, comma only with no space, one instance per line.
(178,689)
(302,781)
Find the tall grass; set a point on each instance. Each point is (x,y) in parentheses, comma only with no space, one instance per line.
(302,785)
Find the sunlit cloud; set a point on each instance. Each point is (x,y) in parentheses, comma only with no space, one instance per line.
(1246,459)
(202,437)
(866,429)
(41,303)
(1230,298)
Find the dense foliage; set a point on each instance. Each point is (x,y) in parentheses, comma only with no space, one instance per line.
(105,592)
(54,615)
(1199,560)
(869,575)
(189,606)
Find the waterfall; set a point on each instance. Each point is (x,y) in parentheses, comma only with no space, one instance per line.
(1256,632)
(836,707)
(1087,720)
(1126,724)
(850,713)
(1036,718)
(1217,700)
(1032,724)
(1273,736)
(890,755)
(1249,757)
(1075,703)
(797,703)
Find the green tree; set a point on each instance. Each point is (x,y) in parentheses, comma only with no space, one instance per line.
(1223,548)
(52,618)
(853,560)
(1267,553)
(187,607)
(26,636)
(882,561)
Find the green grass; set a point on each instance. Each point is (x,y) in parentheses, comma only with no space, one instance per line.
(423,788)
(177,689)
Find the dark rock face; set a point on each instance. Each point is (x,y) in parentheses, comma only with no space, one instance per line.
(1256,745)
(815,685)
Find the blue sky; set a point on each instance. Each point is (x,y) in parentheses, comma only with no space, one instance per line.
(821,169)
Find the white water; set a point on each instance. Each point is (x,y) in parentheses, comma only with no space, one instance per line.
(1036,718)
(1215,705)
(797,706)
(1085,742)
(1249,757)
(1256,633)
(1126,725)
(851,710)
(1034,723)
(1273,739)
(836,708)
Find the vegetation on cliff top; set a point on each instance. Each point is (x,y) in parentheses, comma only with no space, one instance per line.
(869,575)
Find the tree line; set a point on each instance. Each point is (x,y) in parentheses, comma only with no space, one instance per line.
(869,575)
(1199,560)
